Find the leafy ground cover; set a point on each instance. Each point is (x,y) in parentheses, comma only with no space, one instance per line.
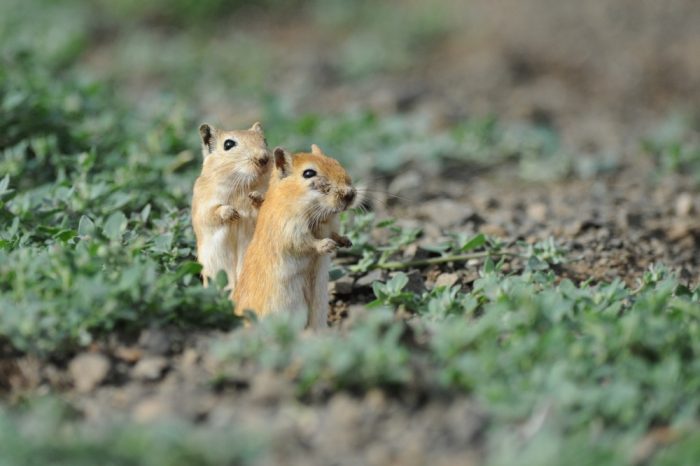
(510,298)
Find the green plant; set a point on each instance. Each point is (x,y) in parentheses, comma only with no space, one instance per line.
(49,432)
(369,354)
(674,146)
(94,237)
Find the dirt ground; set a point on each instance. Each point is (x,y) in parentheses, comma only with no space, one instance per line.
(600,73)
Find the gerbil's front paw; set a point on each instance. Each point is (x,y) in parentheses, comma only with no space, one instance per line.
(326,246)
(227,213)
(343,241)
(256,198)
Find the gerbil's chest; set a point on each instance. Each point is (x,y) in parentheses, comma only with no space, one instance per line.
(325,228)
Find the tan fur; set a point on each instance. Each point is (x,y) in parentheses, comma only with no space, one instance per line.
(286,267)
(227,196)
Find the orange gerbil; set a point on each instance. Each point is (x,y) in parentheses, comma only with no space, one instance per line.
(286,266)
(227,196)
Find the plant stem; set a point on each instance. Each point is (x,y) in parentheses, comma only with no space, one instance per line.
(395,265)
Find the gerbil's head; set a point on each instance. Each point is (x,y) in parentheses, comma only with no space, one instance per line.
(320,181)
(243,152)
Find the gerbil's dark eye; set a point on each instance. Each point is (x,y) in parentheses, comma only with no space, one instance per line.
(229,143)
(309,173)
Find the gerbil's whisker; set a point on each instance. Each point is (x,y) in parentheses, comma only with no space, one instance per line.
(395,196)
(375,200)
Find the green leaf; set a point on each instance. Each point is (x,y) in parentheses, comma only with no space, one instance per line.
(336,273)
(188,268)
(397,283)
(4,183)
(145,213)
(163,243)
(86,227)
(65,235)
(477,241)
(489,266)
(115,225)
(437,248)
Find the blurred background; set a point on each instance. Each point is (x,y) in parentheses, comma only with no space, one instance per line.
(594,72)
(563,128)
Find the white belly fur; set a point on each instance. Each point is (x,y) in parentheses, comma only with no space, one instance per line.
(224,248)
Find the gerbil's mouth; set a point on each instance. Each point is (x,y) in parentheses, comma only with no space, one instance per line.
(255,169)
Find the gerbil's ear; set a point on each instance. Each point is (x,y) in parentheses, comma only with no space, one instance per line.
(207,133)
(316,150)
(257,127)
(283,162)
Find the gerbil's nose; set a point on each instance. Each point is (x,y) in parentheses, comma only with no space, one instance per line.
(349,196)
(262,161)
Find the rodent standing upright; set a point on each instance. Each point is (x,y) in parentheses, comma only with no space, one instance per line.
(227,196)
(286,266)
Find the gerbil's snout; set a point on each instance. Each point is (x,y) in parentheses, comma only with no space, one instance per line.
(348,196)
(262,161)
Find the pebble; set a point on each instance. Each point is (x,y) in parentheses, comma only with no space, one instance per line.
(537,211)
(150,409)
(268,387)
(88,370)
(406,184)
(128,354)
(491,229)
(684,205)
(367,280)
(446,279)
(150,368)
(341,286)
(155,341)
(446,212)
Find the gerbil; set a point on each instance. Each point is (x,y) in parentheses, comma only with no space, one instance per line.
(286,266)
(226,197)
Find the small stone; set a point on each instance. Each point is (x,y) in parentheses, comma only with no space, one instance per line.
(366,280)
(491,229)
(446,280)
(375,400)
(341,286)
(88,370)
(420,250)
(150,368)
(155,341)
(408,183)
(190,357)
(344,411)
(446,212)
(684,204)
(681,229)
(128,354)
(573,228)
(268,387)
(465,421)
(537,211)
(149,410)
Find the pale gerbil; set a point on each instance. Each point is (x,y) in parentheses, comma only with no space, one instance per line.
(226,197)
